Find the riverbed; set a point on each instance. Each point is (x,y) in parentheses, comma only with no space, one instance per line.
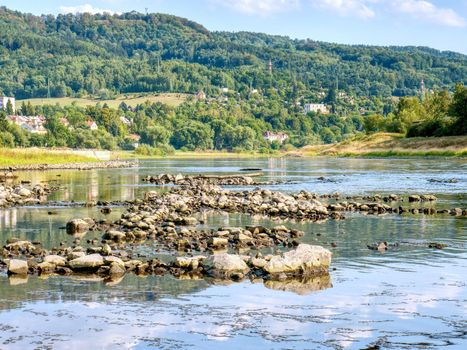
(405,298)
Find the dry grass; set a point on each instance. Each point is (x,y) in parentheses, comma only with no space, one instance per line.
(130,100)
(27,156)
(384,144)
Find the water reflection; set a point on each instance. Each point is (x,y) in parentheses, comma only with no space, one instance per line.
(409,297)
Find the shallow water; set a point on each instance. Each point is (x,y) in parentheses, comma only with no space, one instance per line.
(409,297)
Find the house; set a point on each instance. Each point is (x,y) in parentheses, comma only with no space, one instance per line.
(201,95)
(225,90)
(125,121)
(272,136)
(91,125)
(316,108)
(65,122)
(4,102)
(134,139)
(33,124)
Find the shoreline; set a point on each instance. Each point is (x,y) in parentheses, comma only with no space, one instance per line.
(72,166)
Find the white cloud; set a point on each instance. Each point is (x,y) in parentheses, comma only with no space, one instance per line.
(357,8)
(426,10)
(259,7)
(86,8)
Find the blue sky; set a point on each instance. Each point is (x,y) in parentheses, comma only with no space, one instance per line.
(441,24)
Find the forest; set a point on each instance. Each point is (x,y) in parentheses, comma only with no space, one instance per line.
(367,88)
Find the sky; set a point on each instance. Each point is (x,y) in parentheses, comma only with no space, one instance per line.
(440,24)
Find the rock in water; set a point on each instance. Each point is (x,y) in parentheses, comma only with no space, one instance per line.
(17,267)
(92,261)
(76,226)
(304,260)
(225,265)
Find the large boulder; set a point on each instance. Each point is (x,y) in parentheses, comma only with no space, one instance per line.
(17,267)
(305,260)
(87,262)
(225,265)
(77,226)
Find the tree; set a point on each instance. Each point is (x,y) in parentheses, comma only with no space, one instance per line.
(9,108)
(458,110)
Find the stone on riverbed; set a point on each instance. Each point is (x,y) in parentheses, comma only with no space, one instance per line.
(17,267)
(225,265)
(92,261)
(304,260)
(55,259)
(77,226)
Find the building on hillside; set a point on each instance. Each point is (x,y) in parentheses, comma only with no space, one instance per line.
(272,136)
(201,95)
(4,102)
(33,124)
(65,122)
(134,139)
(316,108)
(91,125)
(125,121)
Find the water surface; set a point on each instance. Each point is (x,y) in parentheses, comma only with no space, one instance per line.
(409,297)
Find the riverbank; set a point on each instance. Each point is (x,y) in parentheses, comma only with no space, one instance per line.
(29,159)
(390,145)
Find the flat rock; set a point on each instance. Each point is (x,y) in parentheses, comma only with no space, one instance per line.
(55,259)
(91,261)
(225,265)
(304,260)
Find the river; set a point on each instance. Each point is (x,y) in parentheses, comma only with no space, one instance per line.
(410,297)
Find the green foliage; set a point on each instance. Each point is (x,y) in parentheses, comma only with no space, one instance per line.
(102,54)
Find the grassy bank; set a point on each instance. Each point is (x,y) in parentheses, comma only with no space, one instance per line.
(29,156)
(391,145)
(131,100)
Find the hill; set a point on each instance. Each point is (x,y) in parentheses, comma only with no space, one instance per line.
(100,55)
(385,144)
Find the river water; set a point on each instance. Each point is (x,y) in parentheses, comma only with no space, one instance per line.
(411,297)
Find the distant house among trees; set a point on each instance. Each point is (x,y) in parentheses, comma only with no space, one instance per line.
(134,140)
(32,124)
(272,136)
(201,95)
(316,108)
(91,125)
(125,121)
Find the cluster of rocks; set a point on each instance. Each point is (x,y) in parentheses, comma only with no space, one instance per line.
(190,180)
(171,237)
(20,195)
(304,261)
(395,198)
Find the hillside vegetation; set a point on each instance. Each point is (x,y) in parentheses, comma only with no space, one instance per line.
(71,55)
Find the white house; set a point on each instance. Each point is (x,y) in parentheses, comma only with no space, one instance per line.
(33,124)
(125,121)
(4,101)
(316,108)
(91,125)
(272,136)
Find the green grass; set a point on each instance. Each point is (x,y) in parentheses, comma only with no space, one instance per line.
(30,156)
(131,100)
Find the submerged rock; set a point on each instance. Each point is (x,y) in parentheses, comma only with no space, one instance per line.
(77,226)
